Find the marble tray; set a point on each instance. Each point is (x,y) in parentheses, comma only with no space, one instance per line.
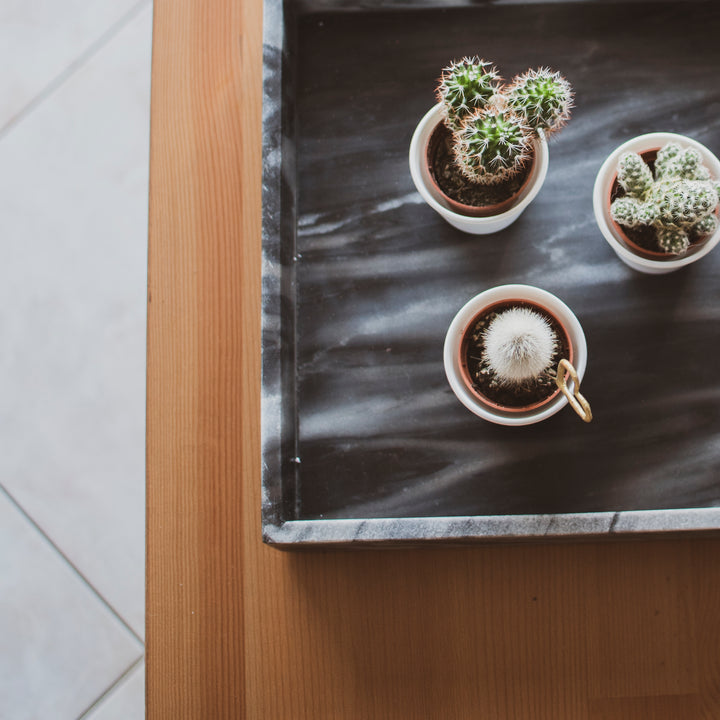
(362,439)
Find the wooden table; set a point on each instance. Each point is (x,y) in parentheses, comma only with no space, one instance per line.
(238,630)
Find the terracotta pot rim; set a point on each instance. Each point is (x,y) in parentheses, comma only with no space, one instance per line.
(473,210)
(463,365)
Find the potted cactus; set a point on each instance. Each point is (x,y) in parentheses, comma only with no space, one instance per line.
(480,155)
(656,202)
(509,352)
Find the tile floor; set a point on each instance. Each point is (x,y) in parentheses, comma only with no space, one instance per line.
(74,135)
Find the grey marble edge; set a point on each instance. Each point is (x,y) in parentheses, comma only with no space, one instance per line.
(271,421)
(485,528)
(298,533)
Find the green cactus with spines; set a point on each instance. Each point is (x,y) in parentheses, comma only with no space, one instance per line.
(664,158)
(672,161)
(543,97)
(687,166)
(707,225)
(493,126)
(678,202)
(465,86)
(625,211)
(683,202)
(634,175)
(492,145)
(673,240)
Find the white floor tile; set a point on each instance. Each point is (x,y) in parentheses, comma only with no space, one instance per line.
(74,183)
(124,702)
(61,646)
(42,38)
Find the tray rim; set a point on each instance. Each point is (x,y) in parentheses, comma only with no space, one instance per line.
(366,532)
(504,528)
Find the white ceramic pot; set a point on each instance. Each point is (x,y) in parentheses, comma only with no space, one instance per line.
(429,193)
(612,233)
(464,320)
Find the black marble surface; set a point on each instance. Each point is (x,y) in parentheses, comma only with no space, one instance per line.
(362,279)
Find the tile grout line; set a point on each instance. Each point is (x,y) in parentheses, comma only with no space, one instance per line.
(117,682)
(57,549)
(74,66)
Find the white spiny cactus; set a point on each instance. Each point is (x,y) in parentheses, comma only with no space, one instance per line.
(519,345)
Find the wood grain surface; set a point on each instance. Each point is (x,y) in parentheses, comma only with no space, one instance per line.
(238,630)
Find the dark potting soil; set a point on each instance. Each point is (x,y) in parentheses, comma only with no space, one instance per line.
(486,382)
(645,236)
(456,186)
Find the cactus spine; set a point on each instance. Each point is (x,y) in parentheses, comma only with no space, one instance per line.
(494,124)
(678,202)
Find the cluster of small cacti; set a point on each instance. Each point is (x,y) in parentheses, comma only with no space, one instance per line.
(493,125)
(519,345)
(679,201)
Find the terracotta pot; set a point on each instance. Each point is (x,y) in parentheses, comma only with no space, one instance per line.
(438,201)
(465,341)
(636,257)
(456,364)
(441,134)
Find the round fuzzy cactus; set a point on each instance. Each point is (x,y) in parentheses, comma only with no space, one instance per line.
(679,201)
(466,86)
(543,97)
(492,146)
(519,345)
